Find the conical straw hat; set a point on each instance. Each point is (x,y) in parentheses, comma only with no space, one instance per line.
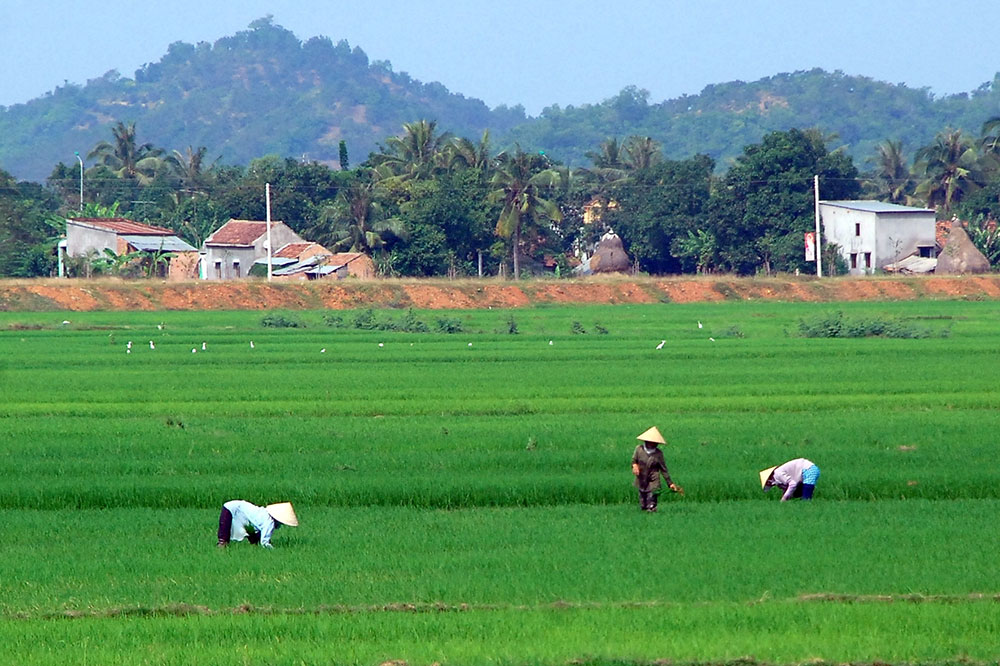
(283,513)
(765,474)
(652,435)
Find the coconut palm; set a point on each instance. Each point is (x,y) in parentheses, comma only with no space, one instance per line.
(521,182)
(189,167)
(356,221)
(460,153)
(950,169)
(641,152)
(416,153)
(125,157)
(892,175)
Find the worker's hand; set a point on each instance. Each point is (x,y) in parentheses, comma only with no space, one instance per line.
(635,469)
(677,489)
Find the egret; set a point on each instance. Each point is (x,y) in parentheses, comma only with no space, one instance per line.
(160,326)
(712,339)
(65,322)
(203,346)
(470,344)
(550,342)
(323,350)
(151,345)
(251,344)
(662,342)
(129,345)
(380,344)
(193,350)
(699,324)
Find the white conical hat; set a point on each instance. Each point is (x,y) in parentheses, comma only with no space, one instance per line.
(283,513)
(652,435)
(765,474)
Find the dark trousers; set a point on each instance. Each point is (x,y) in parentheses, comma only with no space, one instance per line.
(225,525)
(648,499)
(807,491)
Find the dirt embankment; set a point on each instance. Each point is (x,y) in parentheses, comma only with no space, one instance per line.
(50,295)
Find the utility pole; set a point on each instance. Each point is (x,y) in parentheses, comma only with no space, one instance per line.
(80,160)
(819,230)
(267,199)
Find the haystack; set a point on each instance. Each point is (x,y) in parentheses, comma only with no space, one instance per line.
(959,255)
(610,256)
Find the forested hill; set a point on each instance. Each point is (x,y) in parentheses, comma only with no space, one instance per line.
(264,91)
(722,119)
(261,91)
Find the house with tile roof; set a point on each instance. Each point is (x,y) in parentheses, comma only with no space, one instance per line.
(231,251)
(88,236)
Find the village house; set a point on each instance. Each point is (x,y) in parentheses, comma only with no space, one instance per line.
(231,251)
(91,236)
(873,235)
(311,261)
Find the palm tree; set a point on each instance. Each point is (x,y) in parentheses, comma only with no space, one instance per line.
(464,154)
(125,158)
(892,175)
(519,182)
(608,156)
(641,152)
(356,221)
(415,153)
(950,169)
(189,167)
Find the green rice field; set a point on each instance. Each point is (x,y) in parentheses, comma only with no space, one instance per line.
(465,497)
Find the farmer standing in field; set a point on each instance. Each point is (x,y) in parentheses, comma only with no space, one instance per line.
(648,466)
(242,520)
(796,477)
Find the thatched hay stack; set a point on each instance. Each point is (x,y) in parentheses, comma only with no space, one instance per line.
(610,256)
(959,255)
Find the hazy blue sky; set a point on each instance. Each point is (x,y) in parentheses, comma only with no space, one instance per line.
(530,52)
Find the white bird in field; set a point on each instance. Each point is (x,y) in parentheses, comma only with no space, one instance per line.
(128,351)
(712,339)
(323,350)
(193,350)
(65,322)
(251,344)
(662,342)
(550,342)
(203,347)
(151,345)
(129,345)
(380,344)
(699,324)
(470,344)
(160,326)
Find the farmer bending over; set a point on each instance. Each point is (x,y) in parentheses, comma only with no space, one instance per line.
(242,520)
(796,477)
(648,466)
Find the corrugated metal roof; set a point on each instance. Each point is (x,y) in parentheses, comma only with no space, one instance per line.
(292,250)
(161,243)
(121,225)
(276,261)
(876,207)
(239,232)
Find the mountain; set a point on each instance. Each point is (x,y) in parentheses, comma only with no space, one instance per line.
(858,111)
(263,91)
(258,92)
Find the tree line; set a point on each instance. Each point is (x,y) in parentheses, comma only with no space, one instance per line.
(428,203)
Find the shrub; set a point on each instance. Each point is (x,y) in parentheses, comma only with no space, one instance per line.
(274,320)
(449,325)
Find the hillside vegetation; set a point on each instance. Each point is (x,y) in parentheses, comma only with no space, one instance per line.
(265,91)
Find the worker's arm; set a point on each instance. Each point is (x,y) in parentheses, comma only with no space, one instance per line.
(266,530)
(790,491)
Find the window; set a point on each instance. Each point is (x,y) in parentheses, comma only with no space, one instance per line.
(857,228)
(926,250)
(854,259)
(218,270)
(236,269)
(868,259)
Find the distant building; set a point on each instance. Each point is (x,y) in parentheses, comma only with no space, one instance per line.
(231,251)
(87,236)
(873,235)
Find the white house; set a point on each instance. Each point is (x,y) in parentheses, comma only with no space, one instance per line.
(230,252)
(872,234)
(92,235)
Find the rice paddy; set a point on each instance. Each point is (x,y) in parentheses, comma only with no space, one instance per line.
(465,497)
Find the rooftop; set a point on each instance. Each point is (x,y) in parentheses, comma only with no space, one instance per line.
(239,232)
(876,207)
(121,225)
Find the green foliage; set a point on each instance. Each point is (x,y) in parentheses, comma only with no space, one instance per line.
(838,326)
(277,320)
(448,325)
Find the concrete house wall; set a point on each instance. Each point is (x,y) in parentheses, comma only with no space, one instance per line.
(872,234)
(224,261)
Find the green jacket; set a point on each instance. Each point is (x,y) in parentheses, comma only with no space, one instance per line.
(651,467)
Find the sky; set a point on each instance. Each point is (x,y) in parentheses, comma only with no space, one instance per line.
(536,53)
